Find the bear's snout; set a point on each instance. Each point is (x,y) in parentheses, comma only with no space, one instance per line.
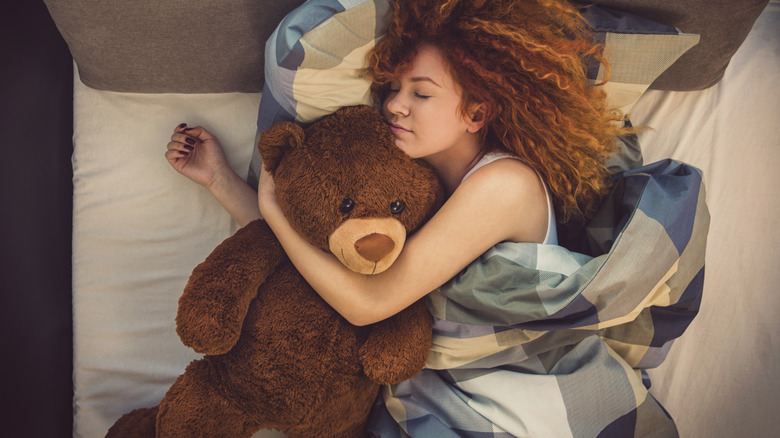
(374,246)
(368,246)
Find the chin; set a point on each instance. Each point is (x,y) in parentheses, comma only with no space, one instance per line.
(410,154)
(400,145)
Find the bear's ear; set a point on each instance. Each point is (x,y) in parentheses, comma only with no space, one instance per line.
(276,140)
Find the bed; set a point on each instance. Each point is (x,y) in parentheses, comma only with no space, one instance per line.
(138,228)
(719,379)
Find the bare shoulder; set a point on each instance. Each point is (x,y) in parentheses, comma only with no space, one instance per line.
(515,193)
(507,179)
(510,170)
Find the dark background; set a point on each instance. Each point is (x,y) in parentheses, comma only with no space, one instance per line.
(36,128)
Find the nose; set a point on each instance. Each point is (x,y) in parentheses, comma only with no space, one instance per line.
(374,246)
(394,104)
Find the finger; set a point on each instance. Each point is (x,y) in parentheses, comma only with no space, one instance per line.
(266,179)
(180,147)
(185,140)
(174,155)
(180,128)
(199,132)
(179,134)
(182,135)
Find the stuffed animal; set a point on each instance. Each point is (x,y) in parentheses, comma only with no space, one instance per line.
(276,355)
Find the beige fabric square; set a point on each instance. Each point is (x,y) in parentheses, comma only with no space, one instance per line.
(636,60)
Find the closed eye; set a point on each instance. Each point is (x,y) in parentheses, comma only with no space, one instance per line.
(418,95)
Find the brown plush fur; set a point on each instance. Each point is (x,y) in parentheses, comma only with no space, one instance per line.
(276,355)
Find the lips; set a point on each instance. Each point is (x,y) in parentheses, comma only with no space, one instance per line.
(396,129)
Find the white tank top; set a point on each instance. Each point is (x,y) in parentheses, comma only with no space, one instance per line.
(551,237)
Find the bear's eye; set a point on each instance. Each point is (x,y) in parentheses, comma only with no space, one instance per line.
(346,205)
(397,206)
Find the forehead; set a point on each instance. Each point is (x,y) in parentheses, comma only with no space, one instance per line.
(429,63)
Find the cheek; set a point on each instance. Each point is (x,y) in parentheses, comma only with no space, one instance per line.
(385,110)
(456,119)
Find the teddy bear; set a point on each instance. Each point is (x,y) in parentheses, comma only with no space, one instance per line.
(275,354)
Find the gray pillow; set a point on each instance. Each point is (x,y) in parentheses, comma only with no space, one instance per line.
(175,46)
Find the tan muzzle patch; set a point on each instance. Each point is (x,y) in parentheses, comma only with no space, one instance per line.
(368,246)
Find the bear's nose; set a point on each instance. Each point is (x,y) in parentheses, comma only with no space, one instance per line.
(374,246)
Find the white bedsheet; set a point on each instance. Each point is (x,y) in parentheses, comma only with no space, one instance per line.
(721,377)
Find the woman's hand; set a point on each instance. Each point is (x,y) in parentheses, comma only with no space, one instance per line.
(266,196)
(197,154)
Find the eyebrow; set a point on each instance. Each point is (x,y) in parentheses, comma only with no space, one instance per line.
(424,79)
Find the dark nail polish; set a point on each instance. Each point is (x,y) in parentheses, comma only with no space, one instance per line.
(183,125)
(185,153)
(188,147)
(189,140)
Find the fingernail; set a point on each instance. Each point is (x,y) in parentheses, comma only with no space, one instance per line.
(189,129)
(183,125)
(188,147)
(185,153)
(189,140)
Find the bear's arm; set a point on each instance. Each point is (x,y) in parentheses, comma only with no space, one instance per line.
(397,348)
(219,291)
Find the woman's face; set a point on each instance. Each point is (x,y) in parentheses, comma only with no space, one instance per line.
(423,107)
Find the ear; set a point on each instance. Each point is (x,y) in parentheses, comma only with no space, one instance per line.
(476,117)
(276,140)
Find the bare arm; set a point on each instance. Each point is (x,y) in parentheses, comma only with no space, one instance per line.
(235,195)
(198,155)
(502,201)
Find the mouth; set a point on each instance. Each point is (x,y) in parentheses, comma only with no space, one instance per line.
(346,263)
(396,129)
(344,259)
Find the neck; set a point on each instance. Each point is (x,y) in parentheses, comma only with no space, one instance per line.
(453,164)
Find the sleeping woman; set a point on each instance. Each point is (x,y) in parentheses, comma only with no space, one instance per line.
(494,95)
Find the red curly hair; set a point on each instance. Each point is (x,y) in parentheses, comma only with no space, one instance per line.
(525,59)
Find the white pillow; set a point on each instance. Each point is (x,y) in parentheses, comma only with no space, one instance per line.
(139,228)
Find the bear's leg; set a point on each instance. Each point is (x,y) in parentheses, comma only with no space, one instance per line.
(138,423)
(195,406)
